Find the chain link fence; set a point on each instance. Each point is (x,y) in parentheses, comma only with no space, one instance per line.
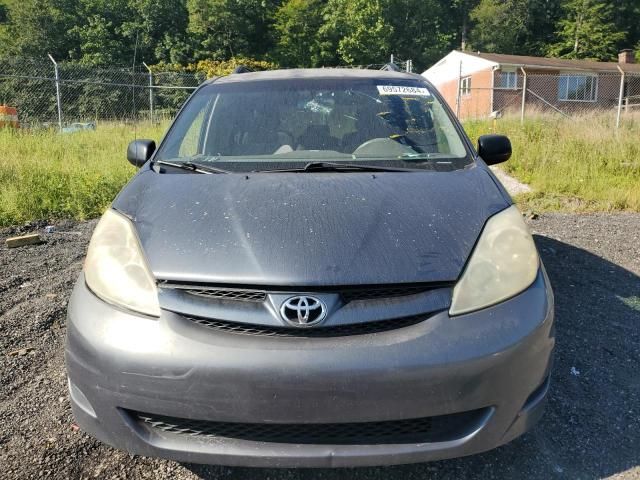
(613,97)
(68,95)
(62,95)
(46,93)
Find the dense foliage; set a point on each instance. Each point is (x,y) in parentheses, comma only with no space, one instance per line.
(312,32)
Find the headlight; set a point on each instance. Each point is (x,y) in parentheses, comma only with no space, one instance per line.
(115,268)
(504,263)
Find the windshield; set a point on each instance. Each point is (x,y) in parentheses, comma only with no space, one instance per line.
(274,124)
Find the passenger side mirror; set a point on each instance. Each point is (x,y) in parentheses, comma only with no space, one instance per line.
(139,151)
(494,149)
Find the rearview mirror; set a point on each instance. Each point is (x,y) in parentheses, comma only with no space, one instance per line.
(139,151)
(494,149)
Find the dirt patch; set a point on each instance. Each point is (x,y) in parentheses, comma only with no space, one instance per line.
(590,429)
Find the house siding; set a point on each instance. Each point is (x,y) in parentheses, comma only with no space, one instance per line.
(487,95)
(477,104)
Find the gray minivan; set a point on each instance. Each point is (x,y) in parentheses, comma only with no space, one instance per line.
(314,268)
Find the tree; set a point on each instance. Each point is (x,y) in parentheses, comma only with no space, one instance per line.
(355,32)
(160,26)
(111,31)
(422,30)
(459,12)
(38,27)
(626,16)
(98,33)
(98,42)
(587,31)
(221,29)
(4,21)
(305,33)
(95,32)
(520,27)
(296,25)
(500,26)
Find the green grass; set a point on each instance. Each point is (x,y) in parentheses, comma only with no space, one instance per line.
(45,175)
(581,164)
(572,165)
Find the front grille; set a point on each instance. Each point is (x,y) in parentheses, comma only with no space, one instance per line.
(353,294)
(312,332)
(348,294)
(222,294)
(416,430)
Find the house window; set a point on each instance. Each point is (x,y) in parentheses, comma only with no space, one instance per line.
(465,86)
(508,79)
(577,88)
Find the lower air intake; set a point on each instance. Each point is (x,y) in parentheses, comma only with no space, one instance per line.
(351,329)
(416,430)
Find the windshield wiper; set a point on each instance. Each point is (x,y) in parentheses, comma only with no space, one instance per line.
(191,166)
(418,157)
(337,167)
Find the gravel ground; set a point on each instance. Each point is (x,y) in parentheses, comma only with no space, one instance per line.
(513,186)
(591,428)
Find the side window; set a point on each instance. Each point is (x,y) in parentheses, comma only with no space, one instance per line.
(465,86)
(508,79)
(576,87)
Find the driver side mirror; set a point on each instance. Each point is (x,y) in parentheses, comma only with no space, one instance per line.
(494,149)
(139,151)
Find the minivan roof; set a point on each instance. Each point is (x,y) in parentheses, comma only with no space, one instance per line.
(314,73)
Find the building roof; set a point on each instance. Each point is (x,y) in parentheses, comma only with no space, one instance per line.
(555,63)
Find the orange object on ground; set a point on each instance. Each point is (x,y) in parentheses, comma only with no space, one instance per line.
(8,117)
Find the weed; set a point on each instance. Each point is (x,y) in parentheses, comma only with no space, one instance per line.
(46,175)
(579,164)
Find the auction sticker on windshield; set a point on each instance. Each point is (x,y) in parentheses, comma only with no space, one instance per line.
(400,90)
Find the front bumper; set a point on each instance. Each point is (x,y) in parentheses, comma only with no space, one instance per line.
(495,361)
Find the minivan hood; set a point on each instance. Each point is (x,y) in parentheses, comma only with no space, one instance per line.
(310,229)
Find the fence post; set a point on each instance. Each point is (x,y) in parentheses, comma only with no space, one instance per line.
(150,90)
(622,79)
(524,94)
(58,101)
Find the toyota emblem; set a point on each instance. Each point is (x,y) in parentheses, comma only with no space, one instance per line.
(303,311)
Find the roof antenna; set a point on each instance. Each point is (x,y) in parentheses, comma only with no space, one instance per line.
(242,69)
